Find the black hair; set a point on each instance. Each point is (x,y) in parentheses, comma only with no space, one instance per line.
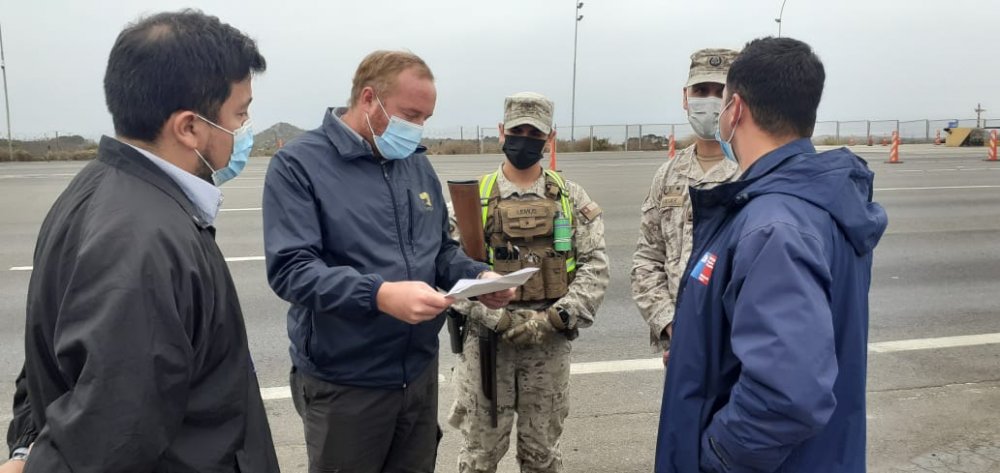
(781,81)
(172,61)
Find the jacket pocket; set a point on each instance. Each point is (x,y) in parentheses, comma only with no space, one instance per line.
(420,210)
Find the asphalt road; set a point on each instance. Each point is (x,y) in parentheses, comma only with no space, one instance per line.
(934,400)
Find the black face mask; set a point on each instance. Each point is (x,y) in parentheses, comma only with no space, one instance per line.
(521,151)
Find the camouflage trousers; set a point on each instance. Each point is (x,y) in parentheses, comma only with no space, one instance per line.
(532,390)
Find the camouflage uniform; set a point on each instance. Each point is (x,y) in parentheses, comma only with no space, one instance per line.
(532,381)
(665,231)
(664,245)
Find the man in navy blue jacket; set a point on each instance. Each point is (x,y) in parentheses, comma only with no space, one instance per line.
(769,350)
(356,239)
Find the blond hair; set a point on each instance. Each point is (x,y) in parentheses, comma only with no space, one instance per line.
(379,70)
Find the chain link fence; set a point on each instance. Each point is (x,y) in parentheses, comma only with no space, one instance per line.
(480,139)
(656,136)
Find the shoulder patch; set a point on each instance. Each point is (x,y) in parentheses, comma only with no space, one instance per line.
(591,211)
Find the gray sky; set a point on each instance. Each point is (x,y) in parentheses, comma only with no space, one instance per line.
(885,59)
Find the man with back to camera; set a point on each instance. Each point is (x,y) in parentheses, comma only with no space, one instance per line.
(768,358)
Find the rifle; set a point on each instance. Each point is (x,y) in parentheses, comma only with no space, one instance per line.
(469,215)
(488,369)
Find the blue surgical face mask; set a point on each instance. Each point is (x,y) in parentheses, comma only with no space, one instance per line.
(727,145)
(399,140)
(242,145)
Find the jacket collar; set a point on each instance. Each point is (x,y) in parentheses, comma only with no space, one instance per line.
(732,194)
(771,160)
(123,157)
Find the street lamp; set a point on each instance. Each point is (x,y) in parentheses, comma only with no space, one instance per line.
(576,28)
(6,100)
(778,19)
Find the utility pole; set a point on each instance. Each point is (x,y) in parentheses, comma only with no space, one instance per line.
(6,100)
(778,19)
(576,28)
(979,114)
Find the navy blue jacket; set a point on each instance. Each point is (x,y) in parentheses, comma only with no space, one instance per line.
(769,349)
(337,223)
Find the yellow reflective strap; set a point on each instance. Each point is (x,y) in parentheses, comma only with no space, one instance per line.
(485,189)
(563,194)
(570,265)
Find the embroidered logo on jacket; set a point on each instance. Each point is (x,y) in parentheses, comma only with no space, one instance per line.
(703,270)
(426,198)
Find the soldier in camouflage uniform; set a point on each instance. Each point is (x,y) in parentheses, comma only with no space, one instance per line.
(665,230)
(535,331)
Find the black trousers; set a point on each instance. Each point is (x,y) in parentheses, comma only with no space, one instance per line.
(362,430)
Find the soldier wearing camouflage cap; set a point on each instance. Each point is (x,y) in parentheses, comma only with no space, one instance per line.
(524,207)
(665,230)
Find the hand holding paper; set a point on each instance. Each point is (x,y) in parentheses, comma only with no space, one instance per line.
(466,288)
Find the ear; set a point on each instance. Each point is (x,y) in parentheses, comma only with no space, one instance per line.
(367,98)
(501,134)
(738,109)
(684,98)
(182,127)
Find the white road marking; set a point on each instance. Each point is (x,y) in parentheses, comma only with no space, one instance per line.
(244,258)
(34,176)
(235,259)
(939,188)
(271,394)
(934,343)
(651,364)
(248,209)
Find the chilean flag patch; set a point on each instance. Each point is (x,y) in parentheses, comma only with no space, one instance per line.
(703,270)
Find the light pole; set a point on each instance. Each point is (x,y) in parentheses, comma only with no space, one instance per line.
(6,100)
(576,28)
(780,13)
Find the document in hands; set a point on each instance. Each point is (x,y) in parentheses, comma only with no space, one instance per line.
(466,288)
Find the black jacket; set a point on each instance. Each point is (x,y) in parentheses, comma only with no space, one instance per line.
(135,346)
(21,432)
(337,223)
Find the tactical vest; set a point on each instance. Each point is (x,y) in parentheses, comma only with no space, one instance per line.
(520,234)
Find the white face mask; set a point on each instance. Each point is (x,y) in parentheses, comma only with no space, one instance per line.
(703,114)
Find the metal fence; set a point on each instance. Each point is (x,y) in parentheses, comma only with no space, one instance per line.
(656,136)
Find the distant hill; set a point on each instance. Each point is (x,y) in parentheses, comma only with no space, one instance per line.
(68,147)
(266,142)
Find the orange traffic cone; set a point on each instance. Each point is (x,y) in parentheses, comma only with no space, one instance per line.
(871,141)
(937,138)
(673,147)
(993,146)
(894,151)
(552,155)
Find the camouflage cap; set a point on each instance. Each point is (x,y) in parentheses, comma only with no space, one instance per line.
(528,108)
(710,65)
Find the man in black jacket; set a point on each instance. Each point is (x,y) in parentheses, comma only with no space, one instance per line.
(136,350)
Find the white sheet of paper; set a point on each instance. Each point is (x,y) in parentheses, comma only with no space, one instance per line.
(466,288)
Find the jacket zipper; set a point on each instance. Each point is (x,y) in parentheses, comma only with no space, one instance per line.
(718,452)
(395,213)
(406,261)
